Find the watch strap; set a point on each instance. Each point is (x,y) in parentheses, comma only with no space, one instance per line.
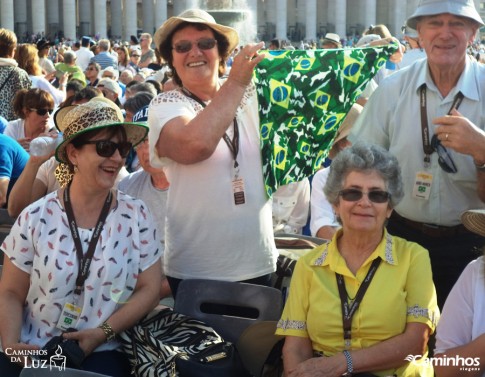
(350,365)
(108,331)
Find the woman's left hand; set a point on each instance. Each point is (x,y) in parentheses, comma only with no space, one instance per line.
(318,367)
(88,339)
(244,63)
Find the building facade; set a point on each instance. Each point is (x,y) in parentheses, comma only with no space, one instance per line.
(294,20)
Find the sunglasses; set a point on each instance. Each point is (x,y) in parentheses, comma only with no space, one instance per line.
(375,196)
(107,148)
(203,44)
(444,158)
(42,112)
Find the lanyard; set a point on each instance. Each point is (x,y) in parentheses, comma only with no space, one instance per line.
(84,260)
(233,144)
(348,310)
(427,148)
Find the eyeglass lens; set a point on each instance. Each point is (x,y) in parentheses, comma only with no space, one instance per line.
(203,44)
(107,148)
(42,112)
(375,196)
(444,158)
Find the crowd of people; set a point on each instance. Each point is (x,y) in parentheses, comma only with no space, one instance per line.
(150,172)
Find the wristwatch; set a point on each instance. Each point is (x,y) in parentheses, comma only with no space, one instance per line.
(350,365)
(108,331)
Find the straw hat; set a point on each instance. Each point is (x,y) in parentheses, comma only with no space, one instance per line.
(332,38)
(195,16)
(349,120)
(474,221)
(98,113)
(464,8)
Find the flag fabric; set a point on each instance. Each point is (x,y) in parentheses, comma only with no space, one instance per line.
(303,97)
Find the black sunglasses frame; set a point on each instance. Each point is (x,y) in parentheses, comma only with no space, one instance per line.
(183,47)
(445,161)
(375,196)
(42,112)
(107,148)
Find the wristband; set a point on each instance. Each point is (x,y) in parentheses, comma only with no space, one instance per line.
(108,331)
(350,366)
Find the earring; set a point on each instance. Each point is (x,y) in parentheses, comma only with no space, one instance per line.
(75,169)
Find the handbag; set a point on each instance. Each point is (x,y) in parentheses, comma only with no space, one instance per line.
(169,344)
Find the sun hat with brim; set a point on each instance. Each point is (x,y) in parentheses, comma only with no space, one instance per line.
(195,16)
(474,221)
(96,114)
(256,343)
(463,8)
(332,38)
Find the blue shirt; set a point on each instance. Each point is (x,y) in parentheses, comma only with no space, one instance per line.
(12,160)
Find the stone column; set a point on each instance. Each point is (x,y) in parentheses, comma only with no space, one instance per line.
(38,17)
(397,16)
(85,22)
(130,17)
(69,19)
(148,16)
(116,19)
(368,11)
(100,21)
(281,21)
(7,15)
(341,18)
(20,16)
(311,20)
(160,12)
(53,21)
(179,6)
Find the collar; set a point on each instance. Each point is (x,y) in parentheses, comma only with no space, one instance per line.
(8,62)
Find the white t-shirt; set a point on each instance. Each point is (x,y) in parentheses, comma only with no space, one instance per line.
(463,316)
(291,205)
(40,244)
(207,235)
(321,210)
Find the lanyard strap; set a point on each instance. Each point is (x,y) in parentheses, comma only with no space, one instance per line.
(427,148)
(84,260)
(233,144)
(348,310)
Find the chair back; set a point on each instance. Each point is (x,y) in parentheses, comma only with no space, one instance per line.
(229,307)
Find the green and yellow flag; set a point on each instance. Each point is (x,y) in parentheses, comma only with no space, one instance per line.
(303,97)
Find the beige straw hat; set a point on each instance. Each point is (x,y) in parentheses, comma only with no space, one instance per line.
(474,221)
(198,16)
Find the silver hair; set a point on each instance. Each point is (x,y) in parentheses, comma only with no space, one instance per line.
(363,157)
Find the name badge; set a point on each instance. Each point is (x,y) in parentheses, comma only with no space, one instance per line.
(69,316)
(422,185)
(238,191)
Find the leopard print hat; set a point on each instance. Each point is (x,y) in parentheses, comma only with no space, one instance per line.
(98,113)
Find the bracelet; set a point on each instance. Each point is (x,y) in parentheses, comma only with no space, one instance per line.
(108,331)
(350,365)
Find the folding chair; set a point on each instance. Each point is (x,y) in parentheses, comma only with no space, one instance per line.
(199,297)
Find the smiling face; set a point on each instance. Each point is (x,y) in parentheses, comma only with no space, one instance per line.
(197,66)
(445,38)
(363,215)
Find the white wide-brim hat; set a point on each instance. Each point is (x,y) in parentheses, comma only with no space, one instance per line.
(463,8)
(195,16)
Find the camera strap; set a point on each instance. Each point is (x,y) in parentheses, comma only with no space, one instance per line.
(349,309)
(84,260)
(427,148)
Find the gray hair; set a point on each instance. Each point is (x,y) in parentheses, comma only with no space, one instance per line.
(363,157)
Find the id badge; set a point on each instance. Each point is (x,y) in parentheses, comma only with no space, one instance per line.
(69,316)
(422,185)
(238,191)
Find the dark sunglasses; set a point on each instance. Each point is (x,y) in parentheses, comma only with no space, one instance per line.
(375,196)
(107,148)
(203,44)
(42,112)
(444,158)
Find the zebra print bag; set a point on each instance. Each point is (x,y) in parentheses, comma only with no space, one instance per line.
(170,344)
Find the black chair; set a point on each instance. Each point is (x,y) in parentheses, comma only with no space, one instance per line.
(215,302)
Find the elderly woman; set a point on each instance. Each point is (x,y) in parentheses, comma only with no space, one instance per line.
(205,134)
(34,108)
(461,331)
(365,300)
(86,256)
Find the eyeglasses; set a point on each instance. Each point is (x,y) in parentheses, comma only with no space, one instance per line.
(91,69)
(107,148)
(135,56)
(375,196)
(444,158)
(203,44)
(42,112)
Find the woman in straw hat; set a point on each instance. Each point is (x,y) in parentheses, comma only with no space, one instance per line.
(86,256)
(460,334)
(205,134)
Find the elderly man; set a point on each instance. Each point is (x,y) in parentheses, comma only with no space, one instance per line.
(431,117)
(147,53)
(105,58)
(69,66)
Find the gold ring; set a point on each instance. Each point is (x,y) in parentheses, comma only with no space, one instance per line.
(446,137)
(247,57)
